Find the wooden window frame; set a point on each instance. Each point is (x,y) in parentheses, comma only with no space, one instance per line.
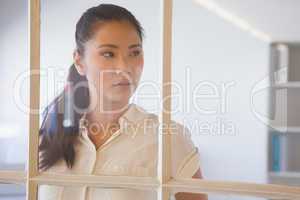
(163,184)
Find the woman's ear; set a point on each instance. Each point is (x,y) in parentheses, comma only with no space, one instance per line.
(77,58)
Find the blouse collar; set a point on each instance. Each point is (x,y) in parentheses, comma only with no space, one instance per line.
(133,114)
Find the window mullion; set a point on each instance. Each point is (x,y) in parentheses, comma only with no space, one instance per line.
(233,188)
(164,147)
(97,181)
(34,61)
(12,176)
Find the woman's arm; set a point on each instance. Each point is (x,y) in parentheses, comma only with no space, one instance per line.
(192,196)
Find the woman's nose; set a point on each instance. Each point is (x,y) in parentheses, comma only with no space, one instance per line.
(123,65)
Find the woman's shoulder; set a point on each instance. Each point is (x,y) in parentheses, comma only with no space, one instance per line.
(137,113)
(185,154)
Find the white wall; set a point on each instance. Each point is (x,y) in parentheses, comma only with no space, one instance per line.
(13,122)
(217,52)
(13,48)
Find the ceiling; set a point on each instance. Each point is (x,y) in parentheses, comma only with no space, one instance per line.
(280,19)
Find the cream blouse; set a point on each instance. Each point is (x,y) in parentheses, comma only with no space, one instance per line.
(130,151)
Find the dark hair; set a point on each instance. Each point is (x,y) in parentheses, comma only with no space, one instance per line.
(56,138)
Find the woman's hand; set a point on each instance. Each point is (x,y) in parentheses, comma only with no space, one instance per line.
(192,196)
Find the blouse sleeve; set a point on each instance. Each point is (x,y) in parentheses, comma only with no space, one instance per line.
(185,156)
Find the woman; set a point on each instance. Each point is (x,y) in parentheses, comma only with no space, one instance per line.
(92,129)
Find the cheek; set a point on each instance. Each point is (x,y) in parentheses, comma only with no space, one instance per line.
(98,76)
(97,70)
(138,69)
(96,62)
(142,62)
(140,65)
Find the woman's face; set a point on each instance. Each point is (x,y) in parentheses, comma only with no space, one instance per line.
(112,62)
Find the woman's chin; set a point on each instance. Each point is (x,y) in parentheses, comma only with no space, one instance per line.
(121,96)
(122,91)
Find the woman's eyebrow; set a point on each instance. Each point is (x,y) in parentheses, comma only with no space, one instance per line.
(134,46)
(107,45)
(115,46)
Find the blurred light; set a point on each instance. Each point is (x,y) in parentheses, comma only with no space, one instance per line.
(233,19)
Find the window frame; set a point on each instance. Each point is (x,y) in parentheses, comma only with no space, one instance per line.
(163,184)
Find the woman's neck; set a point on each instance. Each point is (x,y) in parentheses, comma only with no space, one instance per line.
(106,114)
(103,123)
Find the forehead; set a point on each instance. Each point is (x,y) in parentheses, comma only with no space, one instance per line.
(115,32)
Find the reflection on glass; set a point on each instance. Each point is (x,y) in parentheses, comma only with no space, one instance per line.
(12,192)
(14,86)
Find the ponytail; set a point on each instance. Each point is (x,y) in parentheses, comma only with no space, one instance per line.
(56,136)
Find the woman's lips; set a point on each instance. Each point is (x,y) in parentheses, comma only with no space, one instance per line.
(122,84)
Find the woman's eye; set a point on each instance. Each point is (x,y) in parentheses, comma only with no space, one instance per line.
(135,53)
(107,54)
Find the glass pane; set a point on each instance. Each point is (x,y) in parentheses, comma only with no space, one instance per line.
(127,58)
(226,96)
(14,84)
(12,192)
(71,192)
